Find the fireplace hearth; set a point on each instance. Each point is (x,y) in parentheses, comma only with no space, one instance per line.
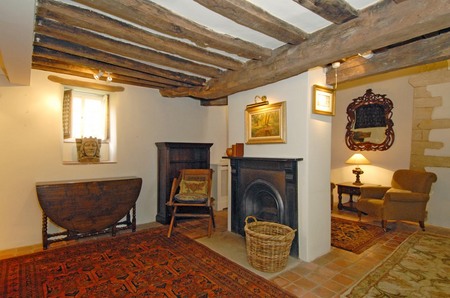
(267,189)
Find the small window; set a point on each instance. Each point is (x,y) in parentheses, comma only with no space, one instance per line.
(85,115)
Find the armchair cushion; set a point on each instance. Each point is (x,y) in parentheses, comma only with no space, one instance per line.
(400,195)
(374,191)
(370,206)
(398,190)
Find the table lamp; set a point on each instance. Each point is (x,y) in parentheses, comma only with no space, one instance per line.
(358,159)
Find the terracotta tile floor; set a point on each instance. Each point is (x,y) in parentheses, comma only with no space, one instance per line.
(327,276)
(333,273)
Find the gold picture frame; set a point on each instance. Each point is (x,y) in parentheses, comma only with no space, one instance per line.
(266,124)
(324,102)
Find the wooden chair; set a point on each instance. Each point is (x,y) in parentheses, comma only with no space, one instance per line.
(405,199)
(192,191)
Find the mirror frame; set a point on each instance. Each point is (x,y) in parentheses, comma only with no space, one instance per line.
(369,98)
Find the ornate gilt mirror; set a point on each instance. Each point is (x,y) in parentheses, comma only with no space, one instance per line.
(370,125)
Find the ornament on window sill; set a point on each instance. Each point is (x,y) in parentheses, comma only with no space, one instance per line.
(88,149)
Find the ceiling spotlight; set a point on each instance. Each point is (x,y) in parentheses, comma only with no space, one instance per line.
(109,77)
(336,64)
(98,75)
(366,54)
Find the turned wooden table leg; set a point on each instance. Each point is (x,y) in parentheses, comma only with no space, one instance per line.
(133,220)
(44,231)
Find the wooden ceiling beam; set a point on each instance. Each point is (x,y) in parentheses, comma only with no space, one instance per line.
(78,60)
(84,75)
(335,11)
(93,21)
(85,72)
(215,102)
(102,43)
(110,59)
(151,15)
(385,23)
(249,15)
(422,51)
(84,84)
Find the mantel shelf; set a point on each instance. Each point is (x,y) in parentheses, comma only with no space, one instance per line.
(265,158)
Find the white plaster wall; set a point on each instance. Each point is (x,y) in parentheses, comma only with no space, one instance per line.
(395,85)
(31,147)
(383,162)
(308,137)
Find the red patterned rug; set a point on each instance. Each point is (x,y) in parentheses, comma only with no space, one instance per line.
(142,264)
(353,236)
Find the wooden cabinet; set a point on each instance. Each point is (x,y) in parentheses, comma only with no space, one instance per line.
(173,157)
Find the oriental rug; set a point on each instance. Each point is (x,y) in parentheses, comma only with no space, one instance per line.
(353,236)
(419,267)
(141,264)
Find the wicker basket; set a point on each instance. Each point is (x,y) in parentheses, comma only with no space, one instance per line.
(268,244)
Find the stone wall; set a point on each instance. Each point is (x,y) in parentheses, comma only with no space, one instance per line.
(423,122)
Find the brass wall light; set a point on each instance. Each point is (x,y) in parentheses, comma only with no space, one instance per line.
(262,101)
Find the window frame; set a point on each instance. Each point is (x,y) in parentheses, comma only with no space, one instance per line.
(67,116)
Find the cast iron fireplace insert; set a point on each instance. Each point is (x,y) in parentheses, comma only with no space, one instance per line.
(266,188)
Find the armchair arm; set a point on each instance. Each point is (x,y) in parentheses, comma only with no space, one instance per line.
(376,192)
(405,196)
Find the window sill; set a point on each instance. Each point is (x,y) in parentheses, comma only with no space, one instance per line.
(71,163)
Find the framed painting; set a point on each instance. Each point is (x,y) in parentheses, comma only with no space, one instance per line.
(323,101)
(266,124)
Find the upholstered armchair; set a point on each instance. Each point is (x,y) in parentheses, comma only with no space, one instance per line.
(406,199)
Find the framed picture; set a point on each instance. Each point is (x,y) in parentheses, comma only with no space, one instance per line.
(266,124)
(323,101)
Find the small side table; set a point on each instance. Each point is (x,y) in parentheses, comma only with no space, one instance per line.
(350,189)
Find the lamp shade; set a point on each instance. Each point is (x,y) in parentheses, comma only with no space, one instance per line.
(358,159)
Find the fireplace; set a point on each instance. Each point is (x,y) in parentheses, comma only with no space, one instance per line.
(267,189)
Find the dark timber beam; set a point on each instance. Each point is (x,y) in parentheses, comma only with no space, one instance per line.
(110,59)
(105,44)
(93,21)
(422,51)
(378,26)
(85,72)
(90,85)
(81,61)
(335,11)
(245,13)
(151,15)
